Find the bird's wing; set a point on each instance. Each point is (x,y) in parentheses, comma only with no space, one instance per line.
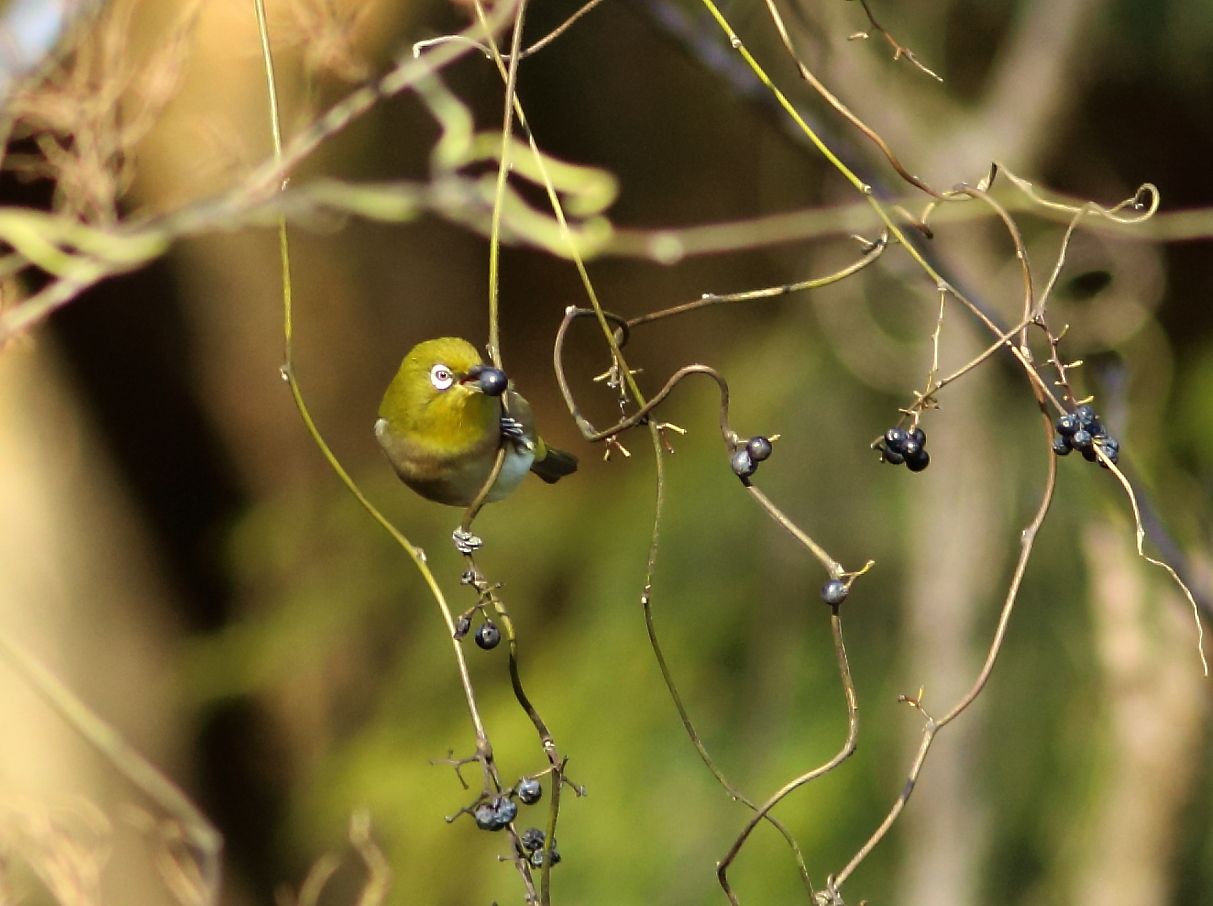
(518,410)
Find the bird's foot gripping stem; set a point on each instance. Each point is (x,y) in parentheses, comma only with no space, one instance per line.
(512,428)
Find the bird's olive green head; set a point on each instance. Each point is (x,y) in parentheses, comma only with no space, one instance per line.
(436,388)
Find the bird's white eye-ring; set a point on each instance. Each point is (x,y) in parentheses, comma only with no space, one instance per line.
(441,377)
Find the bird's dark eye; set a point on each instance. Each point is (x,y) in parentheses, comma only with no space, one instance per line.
(441,377)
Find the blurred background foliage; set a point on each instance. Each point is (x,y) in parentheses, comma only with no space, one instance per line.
(179,552)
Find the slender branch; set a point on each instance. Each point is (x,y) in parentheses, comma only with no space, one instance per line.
(646,603)
(560,29)
(900,51)
(848,749)
(872,251)
(1027,543)
(833,100)
(483,745)
(503,166)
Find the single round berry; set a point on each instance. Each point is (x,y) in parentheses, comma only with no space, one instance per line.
(1081,439)
(1067,424)
(488,636)
(834,592)
(743,465)
(918,461)
(492,381)
(1111,448)
(1085,414)
(892,456)
(758,447)
(484,814)
(492,814)
(895,438)
(1088,453)
(531,839)
(504,812)
(530,790)
(910,449)
(918,435)
(1060,446)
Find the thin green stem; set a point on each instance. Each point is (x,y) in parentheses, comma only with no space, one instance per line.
(503,169)
(667,675)
(415,553)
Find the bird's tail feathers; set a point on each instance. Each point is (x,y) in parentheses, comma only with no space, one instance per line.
(553,464)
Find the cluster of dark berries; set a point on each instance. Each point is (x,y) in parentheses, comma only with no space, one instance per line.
(494,814)
(1082,430)
(747,457)
(910,447)
(532,846)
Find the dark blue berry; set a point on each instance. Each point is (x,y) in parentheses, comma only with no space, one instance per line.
(1067,424)
(918,435)
(892,456)
(759,448)
(494,814)
(492,381)
(1060,446)
(743,465)
(918,461)
(834,592)
(529,790)
(1088,453)
(1086,414)
(463,626)
(1081,439)
(485,815)
(488,636)
(506,811)
(910,449)
(1111,449)
(895,438)
(531,839)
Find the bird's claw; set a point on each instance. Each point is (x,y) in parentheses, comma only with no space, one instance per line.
(465,542)
(512,428)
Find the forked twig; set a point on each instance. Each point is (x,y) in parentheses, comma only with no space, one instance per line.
(900,51)
(834,101)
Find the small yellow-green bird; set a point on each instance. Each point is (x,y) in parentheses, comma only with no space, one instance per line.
(442,422)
